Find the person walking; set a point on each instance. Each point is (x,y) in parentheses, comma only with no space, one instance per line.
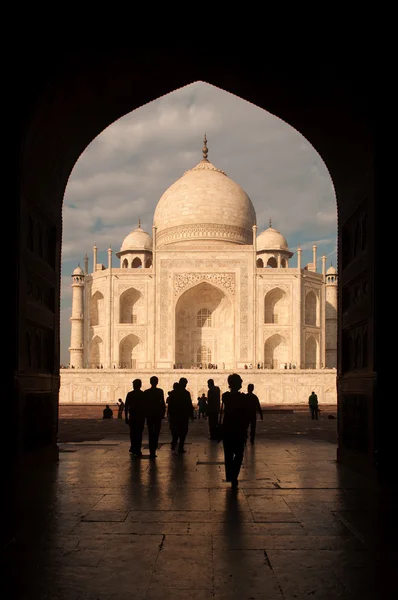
(235,424)
(155,410)
(134,416)
(313,404)
(202,406)
(213,407)
(179,410)
(254,409)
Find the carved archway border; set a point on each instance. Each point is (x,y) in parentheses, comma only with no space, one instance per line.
(183,282)
(285,334)
(167,304)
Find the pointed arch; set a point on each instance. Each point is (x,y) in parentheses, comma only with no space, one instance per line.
(137,263)
(275,352)
(272,263)
(131,306)
(311,308)
(204,316)
(97,309)
(97,352)
(276,307)
(131,349)
(311,353)
(260,263)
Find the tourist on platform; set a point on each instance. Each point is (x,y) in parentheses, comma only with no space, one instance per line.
(313,404)
(213,407)
(254,409)
(120,408)
(155,410)
(134,414)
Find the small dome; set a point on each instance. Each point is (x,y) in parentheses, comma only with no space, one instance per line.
(331,270)
(138,239)
(78,271)
(271,239)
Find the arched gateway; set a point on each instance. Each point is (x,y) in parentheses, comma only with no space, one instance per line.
(56,124)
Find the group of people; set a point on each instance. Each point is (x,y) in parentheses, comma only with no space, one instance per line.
(237,412)
(232,417)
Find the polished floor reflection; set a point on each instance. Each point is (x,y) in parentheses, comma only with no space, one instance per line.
(103,525)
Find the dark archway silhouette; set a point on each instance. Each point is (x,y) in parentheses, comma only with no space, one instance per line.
(64,100)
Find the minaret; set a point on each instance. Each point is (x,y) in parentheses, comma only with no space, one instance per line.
(299,251)
(95,258)
(314,258)
(76,349)
(324,265)
(331,318)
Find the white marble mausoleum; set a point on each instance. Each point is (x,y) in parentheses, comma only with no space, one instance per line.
(203,296)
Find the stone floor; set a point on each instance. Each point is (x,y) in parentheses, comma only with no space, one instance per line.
(100,524)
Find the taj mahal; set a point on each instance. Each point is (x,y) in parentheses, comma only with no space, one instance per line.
(205,294)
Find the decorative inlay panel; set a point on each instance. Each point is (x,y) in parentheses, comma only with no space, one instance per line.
(40,292)
(268,333)
(131,286)
(184,280)
(139,332)
(355,235)
(353,427)
(40,348)
(355,293)
(355,343)
(42,236)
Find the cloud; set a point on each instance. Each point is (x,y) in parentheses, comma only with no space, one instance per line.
(122,174)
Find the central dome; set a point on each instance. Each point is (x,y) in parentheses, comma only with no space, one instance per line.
(204,205)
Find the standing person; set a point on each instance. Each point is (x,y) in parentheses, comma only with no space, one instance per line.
(213,407)
(155,410)
(180,410)
(202,406)
(134,415)
(120,408)
(254,408)
(235,423)
(313,404)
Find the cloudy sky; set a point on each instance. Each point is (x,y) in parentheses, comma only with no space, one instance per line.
(121,175)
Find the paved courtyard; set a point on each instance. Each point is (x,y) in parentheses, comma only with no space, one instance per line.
(101,524)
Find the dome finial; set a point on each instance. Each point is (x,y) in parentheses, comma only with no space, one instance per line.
(205,150)
(139,223)
(270,222)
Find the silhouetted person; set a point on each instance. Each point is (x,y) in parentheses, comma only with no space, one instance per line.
(213,407)
(107,413)
(134,414)
(202,406)
(155,410)
(120,408)
(235,424)
(313,404)
(254,407)
(180,410)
